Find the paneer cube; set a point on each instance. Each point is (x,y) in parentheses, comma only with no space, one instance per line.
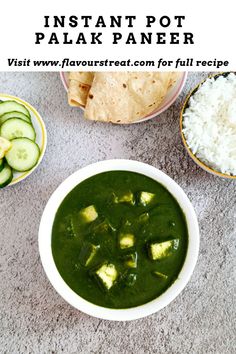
(146,198)
(127,197)
(89,214)
(161,250)
(107,274)
(126,240)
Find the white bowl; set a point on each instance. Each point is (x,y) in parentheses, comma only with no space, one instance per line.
(41,136)
(169,99)
(45,233)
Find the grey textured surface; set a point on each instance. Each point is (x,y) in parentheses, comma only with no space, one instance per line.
(33,317)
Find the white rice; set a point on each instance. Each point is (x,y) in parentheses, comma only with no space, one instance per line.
(209,124)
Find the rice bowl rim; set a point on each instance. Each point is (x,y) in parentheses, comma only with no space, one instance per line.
(191,154)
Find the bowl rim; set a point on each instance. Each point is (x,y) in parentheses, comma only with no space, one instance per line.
(153,114)
(41,123)
(44,241)
(170,101)
(191,154)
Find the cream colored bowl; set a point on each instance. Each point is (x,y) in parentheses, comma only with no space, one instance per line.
(194,158)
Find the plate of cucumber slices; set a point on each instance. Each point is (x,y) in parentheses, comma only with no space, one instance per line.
(23,139)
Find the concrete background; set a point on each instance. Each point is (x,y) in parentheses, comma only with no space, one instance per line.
(33,317)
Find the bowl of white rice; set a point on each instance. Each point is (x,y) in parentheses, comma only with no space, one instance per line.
(208,124)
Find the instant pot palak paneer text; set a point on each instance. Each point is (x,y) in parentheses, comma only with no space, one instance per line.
(119,239)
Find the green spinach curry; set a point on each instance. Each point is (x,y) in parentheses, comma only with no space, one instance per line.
(119,239)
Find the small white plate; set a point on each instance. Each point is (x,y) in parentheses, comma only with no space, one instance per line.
(41,135)
(170,98)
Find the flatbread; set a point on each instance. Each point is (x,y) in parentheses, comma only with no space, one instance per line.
(125,97)
(79,86)
(174,78)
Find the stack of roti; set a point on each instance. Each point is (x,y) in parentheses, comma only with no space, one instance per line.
(119,97)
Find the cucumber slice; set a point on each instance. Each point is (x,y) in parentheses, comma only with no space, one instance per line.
(14,114)
(17,128)
(1,164)
(23,155)
(10,106)
(5,176)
